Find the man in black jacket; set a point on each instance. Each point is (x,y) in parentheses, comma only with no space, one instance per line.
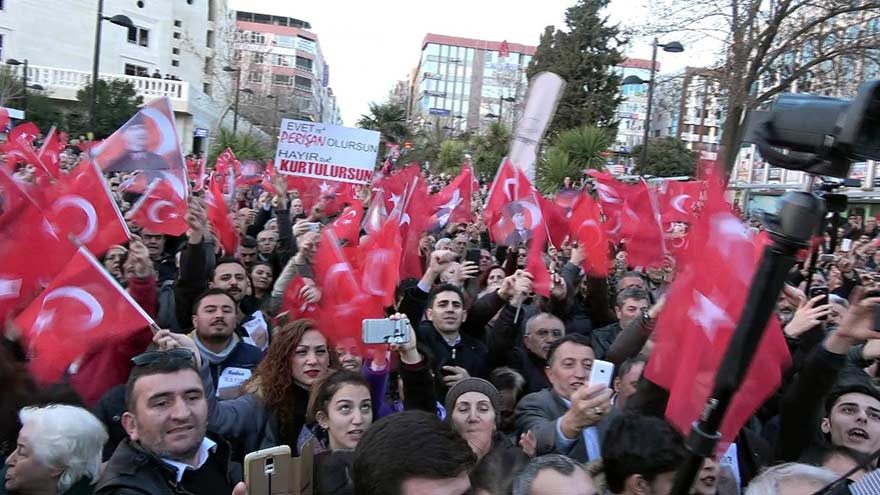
(530,358)
(631,303)
(166,418)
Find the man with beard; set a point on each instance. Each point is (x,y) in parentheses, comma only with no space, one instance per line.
(229,358)
(166,419)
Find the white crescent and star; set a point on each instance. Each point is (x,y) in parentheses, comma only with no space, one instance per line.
(373,265)
(607,194)
(534,211)
(96,312)
(678,203)
(10,288)
(91,228)
(155,208)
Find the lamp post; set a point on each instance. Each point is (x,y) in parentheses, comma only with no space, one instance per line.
(237,91)
(671,47)
(501,100)
(119,20)
(24,76)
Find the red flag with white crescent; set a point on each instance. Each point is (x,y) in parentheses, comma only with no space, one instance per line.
(160,210)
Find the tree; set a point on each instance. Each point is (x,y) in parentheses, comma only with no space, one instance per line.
(117,101)
(450,157)
(584,56)
(245,146)
(41,110)
(572,152)
(667,157)
(771,47)
(387,118)
(489,149)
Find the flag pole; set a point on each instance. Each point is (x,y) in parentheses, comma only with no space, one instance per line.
(790,230)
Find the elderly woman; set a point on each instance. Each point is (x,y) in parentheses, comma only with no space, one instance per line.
(473,408)
(58,452)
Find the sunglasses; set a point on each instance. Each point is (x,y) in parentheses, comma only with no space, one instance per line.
(150,357)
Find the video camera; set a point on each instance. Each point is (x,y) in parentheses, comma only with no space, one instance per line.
(818,134)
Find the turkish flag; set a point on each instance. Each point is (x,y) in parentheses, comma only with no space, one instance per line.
(555,220)
(227,162)
(408,194)
(84,208)
(640,228)
(678,200)
(250,174)
(453,203)
(376,213)
(347,225)
(24,231)
(50,152)
(160,210)
(218,216)
(334,194)
(541,281)
(512,208)
(83,305)
(379,263)
(294,304)
(19,148)
(704,303)
(587,229)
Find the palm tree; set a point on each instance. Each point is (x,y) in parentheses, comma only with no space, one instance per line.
(245,146)
(387,118)
(572,152)
(490,148)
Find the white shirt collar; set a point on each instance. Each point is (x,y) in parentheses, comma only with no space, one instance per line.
(205,448)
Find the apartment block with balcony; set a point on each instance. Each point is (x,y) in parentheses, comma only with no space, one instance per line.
(178,38)
(690,106)
(465,84)
(281,60)
(632,111)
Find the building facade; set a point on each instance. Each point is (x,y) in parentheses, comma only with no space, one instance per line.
(690,106)
(170,38)
(466,84)
(281,59)
(632,111)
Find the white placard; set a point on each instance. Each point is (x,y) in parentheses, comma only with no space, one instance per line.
(329,152)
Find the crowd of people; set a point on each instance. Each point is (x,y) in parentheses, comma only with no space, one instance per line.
(488,394)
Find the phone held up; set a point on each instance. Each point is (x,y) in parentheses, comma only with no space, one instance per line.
(601,372)
(384,331)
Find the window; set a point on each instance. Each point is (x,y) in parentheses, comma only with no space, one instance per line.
(1,47)
(257,38)
(136,70)
(285,41)
(303,83)
(175,63)
(209,65)
(206,88)
(176,35)
(282,80)
(281,60)
(138,36)
(212,10)
(259,57)
(256,77)
(209,40)
(303,63)
(177,23)
(175,51)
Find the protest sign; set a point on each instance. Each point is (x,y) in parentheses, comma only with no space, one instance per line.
(328,152)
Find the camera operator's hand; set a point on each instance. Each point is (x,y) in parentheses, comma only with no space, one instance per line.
(407,350)
(806,317)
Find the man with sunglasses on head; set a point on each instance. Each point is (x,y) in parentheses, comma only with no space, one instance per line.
(167,451)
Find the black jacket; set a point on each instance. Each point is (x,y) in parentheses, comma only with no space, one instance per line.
(505,349)
(469,353)
(133,471)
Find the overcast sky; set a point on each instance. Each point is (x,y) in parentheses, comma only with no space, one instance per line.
(371,44)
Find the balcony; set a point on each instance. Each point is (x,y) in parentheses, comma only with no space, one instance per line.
(63,84)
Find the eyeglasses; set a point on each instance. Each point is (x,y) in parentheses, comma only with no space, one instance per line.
(544,332)
(150,357)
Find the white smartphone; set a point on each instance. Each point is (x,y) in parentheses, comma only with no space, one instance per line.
(602,372)
(846,245)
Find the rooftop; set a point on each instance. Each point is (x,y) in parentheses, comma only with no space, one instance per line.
(442,39)
(272,20)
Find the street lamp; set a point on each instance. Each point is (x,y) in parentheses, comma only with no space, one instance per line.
(119,20)
(25,87)
(501,101)
(671,47)
(237,91)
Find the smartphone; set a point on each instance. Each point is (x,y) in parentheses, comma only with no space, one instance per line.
(820,291)
(846,245)
(473,255)
(602,372)
(315,226)
(827,258)
(384,331)
(269,471)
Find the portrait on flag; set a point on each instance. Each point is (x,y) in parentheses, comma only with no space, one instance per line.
(148,141)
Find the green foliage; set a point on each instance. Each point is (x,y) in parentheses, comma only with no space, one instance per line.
(426,145)
(572,152)
(584,55)
(489,149)
(667,157)
(117,101)
(450,157)
(387,118)
(44,112)
(245,146)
